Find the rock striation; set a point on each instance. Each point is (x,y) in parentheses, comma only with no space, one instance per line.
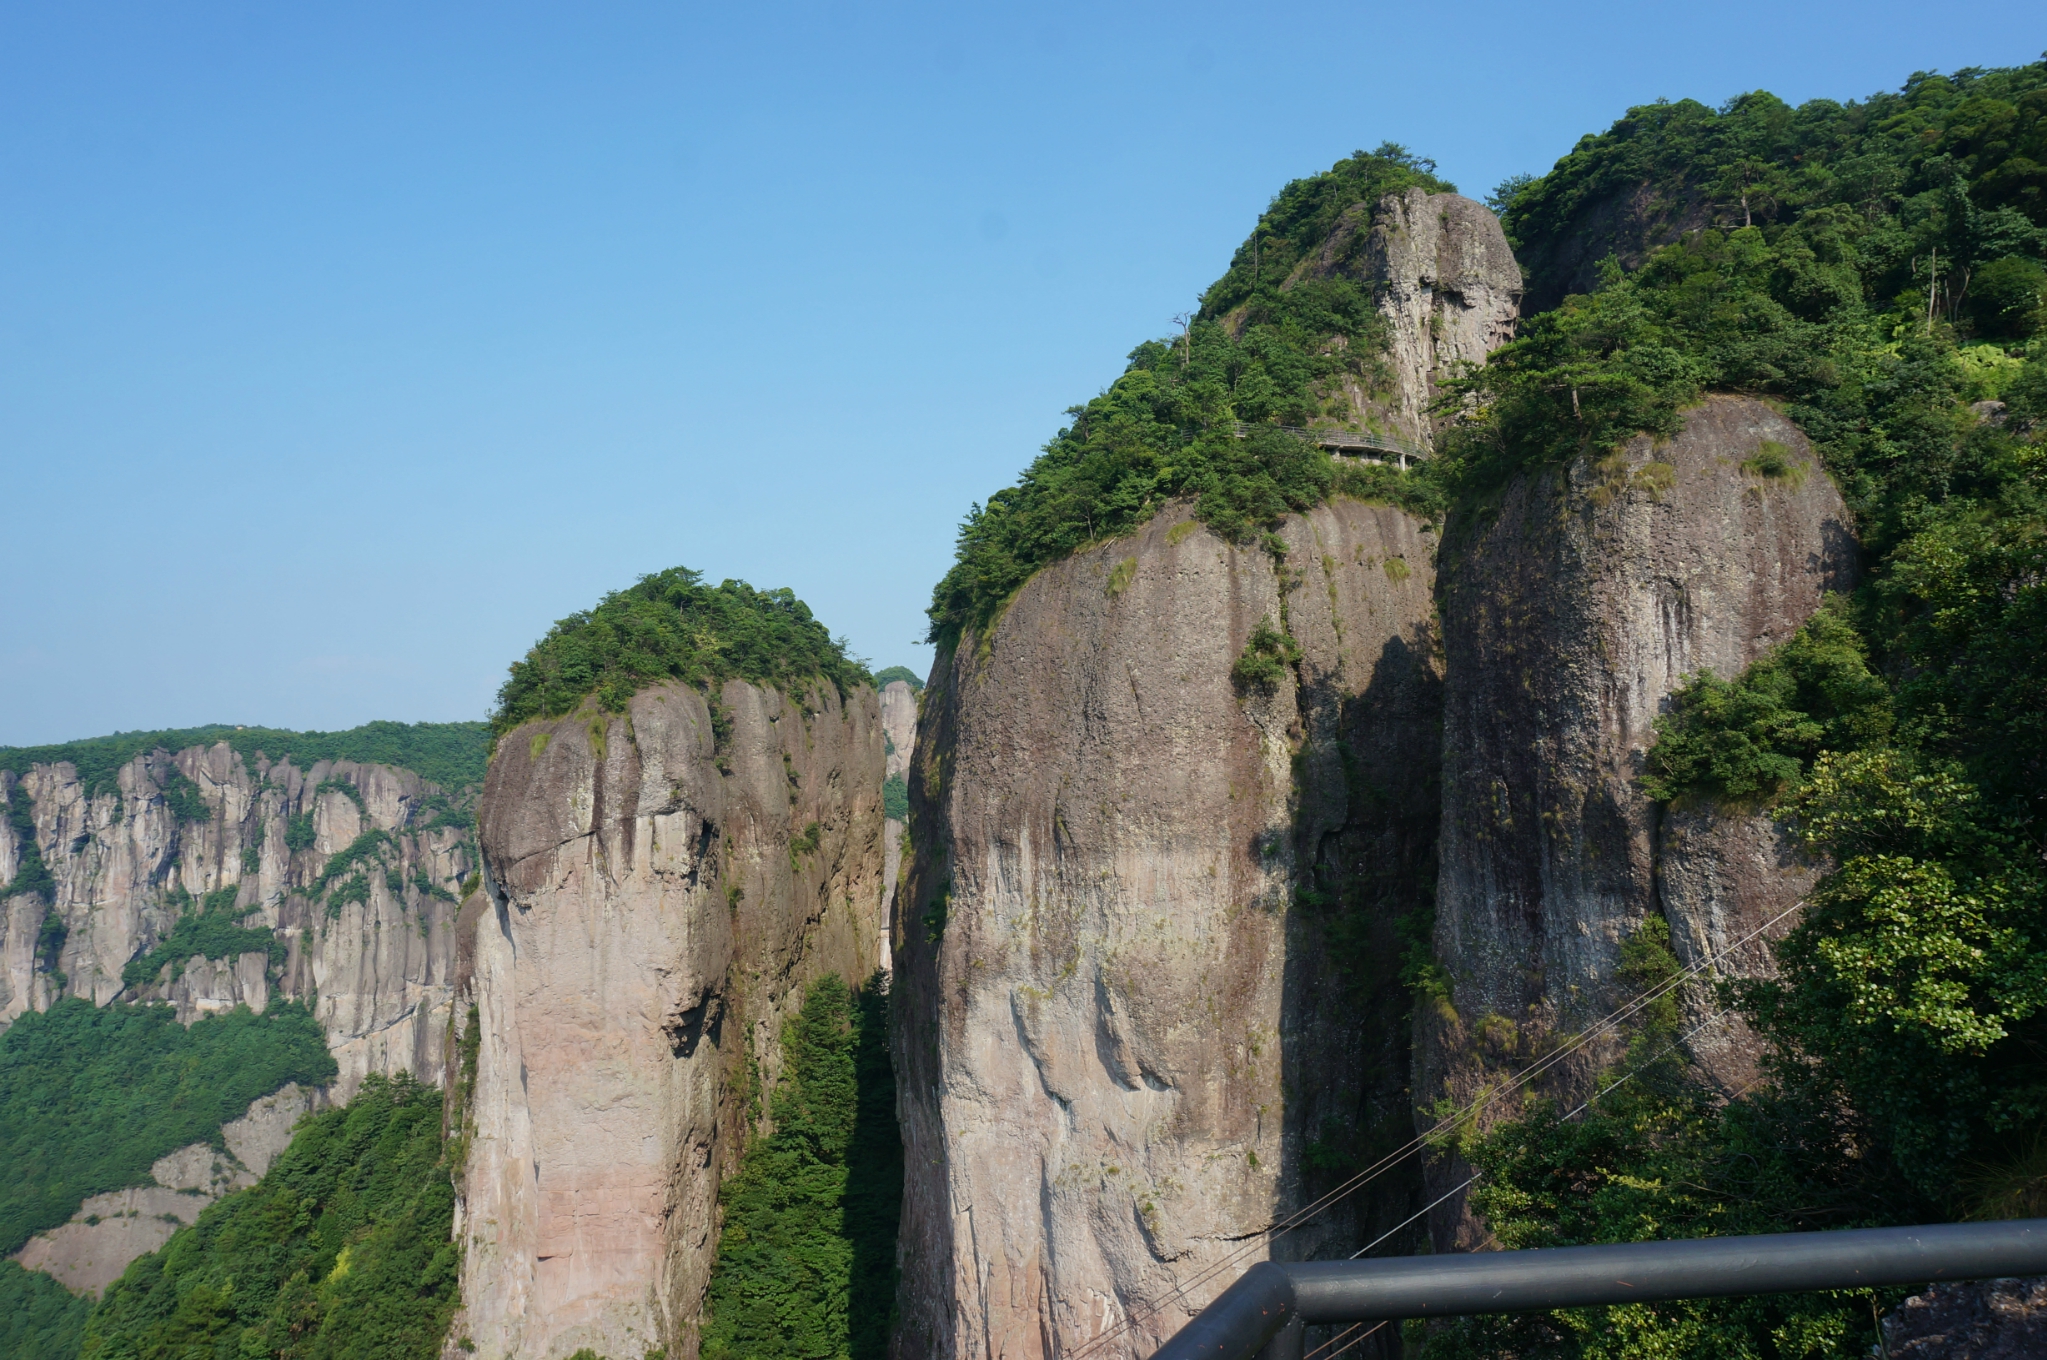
(1145,995)
(1572,608)
(657,895)
(354,866)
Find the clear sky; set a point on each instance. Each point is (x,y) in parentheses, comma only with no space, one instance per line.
(344,347)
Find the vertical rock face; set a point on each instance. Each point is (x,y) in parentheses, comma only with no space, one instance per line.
(373,938)
(1450,287)
(1445,281)
(899,725)
(1571,611)
(655,903)
(1144,993)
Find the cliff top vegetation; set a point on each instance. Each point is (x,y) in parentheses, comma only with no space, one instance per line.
(671,626)
(1265,348)
(902,673)
(451,755)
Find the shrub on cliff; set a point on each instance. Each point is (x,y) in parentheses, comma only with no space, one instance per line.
(341,1251)
(1262,349)
(806,1264)
(671,626)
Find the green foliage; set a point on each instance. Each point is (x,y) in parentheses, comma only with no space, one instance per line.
(369,848)
(1758,161)
(671,626)
(1267,658)
(299,833)
(451,755)
(804,844)
(182,799)
(91,1096)
(895,798)
(31,874)
(214,931)
(1265,347)
(341,1251)
(1744,739)
(937,912)
(902,673)
(806,1263)
(1919,973)
(1823,302)
(1902,732)
(39,1318)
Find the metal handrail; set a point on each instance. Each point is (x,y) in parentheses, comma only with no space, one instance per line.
(1259,1308)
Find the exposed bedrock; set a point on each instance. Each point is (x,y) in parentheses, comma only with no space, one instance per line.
(1146,996)
(1447,284)
(1573,606)
(899,728)
(125,867)
(656,899)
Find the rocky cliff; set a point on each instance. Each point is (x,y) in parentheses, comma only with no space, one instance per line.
(353,866)
(657,894)
(1141,985)
(1147,945)
(1445,280)
(899,729)
(1573,605)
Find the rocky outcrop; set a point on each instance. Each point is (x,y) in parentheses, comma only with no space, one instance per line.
(1447,285)
(899,730)
(1982,1320)
(1573,606)
(656,899)
(1450,288)
(370,936)
(1146,996)
(108,1231)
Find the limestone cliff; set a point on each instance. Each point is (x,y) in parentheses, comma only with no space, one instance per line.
(657,894)
(1127,1037)
(1572,607)
(354,866)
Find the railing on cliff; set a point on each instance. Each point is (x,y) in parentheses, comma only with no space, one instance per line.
(1356,443)
(1262,1315)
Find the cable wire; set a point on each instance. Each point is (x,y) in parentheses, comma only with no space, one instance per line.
(1539,1067)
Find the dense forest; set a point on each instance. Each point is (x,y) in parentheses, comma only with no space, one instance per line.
(342,1251)
(807,1258)
(91,1096)
(671,626)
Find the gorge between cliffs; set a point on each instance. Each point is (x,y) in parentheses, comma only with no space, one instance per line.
(1495,736)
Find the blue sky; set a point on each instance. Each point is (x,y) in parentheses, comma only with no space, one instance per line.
(344,348)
